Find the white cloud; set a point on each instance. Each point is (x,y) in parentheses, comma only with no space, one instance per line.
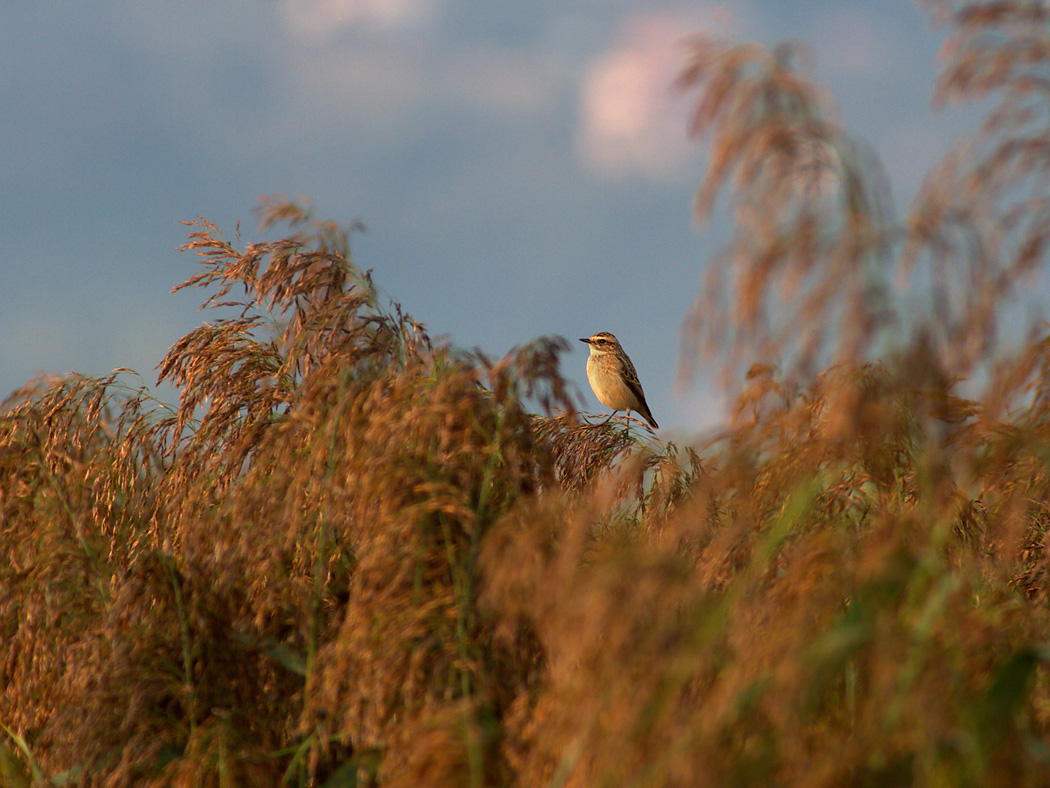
(631,121)
(321,19)
(382,91)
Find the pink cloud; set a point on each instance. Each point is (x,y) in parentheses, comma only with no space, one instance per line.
(630,120)
(321,18)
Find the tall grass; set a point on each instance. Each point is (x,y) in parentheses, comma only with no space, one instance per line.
(352,555)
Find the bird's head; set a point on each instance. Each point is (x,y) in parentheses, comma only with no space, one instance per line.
(602,342)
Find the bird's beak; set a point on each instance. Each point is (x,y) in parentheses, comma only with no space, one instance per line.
(586,340)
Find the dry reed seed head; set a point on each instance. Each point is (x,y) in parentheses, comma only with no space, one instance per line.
(580,451)
(812,208)
(531,372)
(453,745)
(608,756)
(428,464)
(160,652)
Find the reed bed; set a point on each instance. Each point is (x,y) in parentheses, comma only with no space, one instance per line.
(351,555)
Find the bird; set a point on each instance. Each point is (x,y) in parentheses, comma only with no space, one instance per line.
(613,379)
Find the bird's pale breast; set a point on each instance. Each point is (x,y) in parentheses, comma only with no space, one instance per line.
(609,387)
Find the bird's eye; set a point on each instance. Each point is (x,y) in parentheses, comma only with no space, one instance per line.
(601,341)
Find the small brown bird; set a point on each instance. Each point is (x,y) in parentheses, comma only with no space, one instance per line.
(612,376)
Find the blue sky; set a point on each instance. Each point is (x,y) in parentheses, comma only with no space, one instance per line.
(521,167)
